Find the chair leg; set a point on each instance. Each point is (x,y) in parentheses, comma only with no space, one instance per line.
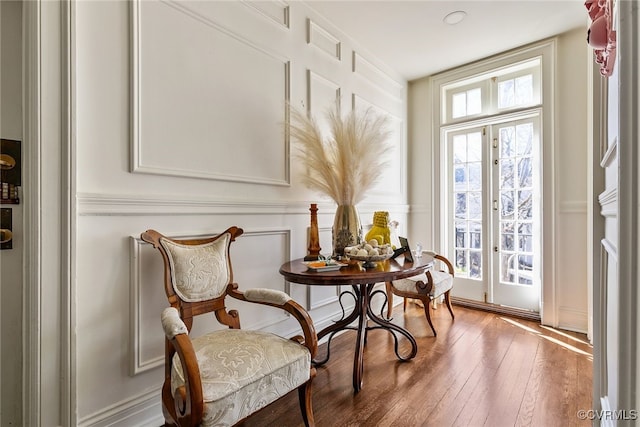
(448,301)
(304,395)
(404,304)
(427,312)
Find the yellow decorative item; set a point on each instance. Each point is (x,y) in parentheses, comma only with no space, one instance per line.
(380,230)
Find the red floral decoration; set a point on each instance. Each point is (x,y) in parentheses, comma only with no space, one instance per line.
(601,36)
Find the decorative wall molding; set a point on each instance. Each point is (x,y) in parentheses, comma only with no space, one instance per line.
(377,77)
(141,409)
(323,40)
(93,204)
(318,85)
(142,358)
(610,154)
(276,10)
(398,159)
(151,155)
(609,203)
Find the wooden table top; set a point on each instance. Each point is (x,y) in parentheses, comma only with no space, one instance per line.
(354,274)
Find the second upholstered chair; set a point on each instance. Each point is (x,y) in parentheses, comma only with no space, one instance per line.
(426,287)
(222,377)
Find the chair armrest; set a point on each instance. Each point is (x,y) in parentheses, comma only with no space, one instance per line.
(279,299)
(446,261)
(188,400)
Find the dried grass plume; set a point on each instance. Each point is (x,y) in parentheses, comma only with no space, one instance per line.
(350,160)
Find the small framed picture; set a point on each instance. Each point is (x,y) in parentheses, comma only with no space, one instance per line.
(404,243)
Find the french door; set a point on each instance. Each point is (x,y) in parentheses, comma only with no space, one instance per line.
(494,211)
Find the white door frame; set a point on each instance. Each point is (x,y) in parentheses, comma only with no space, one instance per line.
(49,310)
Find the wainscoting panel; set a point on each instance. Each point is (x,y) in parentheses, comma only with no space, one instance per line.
(162,98)
(322,95)
(323,40)
(277,10)
(393,182)
(199,89)
(365,69)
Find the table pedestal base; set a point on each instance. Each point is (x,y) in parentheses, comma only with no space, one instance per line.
(363,312)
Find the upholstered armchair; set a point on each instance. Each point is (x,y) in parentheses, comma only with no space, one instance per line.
(224,376)
(426,287)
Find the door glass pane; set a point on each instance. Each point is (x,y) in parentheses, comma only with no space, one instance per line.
(475,265)
(475,176)
(467,200)
(516,203)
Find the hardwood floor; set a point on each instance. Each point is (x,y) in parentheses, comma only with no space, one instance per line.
(483,369)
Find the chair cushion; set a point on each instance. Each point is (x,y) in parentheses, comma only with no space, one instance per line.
(442,282)
(243,371)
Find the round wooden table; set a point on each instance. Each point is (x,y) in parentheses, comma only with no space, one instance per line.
(362,280)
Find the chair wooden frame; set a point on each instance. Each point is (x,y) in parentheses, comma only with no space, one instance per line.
(422,292)
(187,409)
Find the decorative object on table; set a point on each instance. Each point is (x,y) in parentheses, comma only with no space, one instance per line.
(324,265)
(10,171)
(404,249)
(343,165)
(380,230)
(370,253)
(601,35)
(314,238)
(393,227)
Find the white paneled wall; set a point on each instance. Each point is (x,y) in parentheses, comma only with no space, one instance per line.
(179,126)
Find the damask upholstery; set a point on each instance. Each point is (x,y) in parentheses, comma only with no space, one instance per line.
(442,282)
(243,371)
(224,376)
(199,273)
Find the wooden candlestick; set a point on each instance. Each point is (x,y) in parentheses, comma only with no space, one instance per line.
(314,238)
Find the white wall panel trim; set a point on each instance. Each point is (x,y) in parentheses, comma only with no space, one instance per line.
(151,154)
(91,204)
(397,139)
(610,154)
(141,409)
(609,203)
(611,250)
(276,11)
(323,40)
(377,77)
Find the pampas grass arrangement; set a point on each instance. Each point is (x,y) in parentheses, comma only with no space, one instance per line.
(350,160)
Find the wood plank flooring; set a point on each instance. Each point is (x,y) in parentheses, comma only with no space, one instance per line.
(483,369)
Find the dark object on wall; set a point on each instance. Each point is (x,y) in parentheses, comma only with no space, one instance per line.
(10,171)
(6,235)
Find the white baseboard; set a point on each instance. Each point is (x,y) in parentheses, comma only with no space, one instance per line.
(573,320)
(142,410)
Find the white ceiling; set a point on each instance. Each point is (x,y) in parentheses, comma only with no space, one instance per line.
(411,38)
